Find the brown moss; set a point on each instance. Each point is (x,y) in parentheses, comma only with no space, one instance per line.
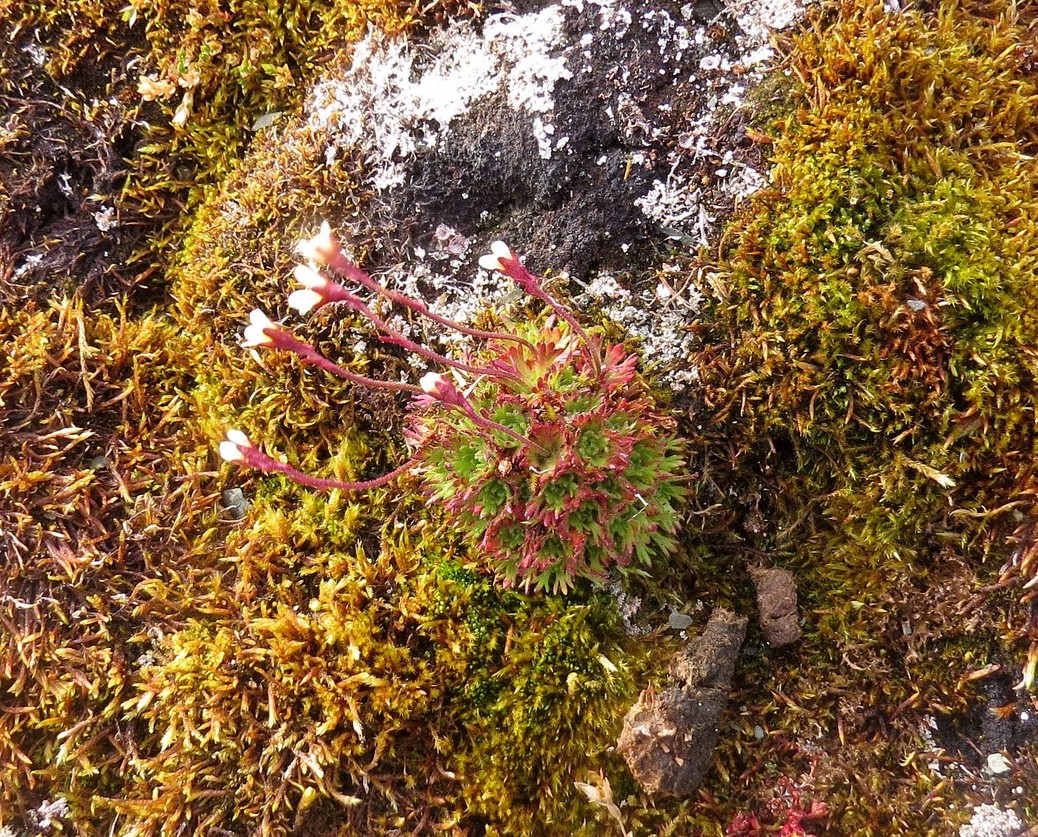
(94,526)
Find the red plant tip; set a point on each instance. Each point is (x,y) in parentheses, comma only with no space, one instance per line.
(322,248)
(503,259)
(232,449)
(440,388)
(260,330)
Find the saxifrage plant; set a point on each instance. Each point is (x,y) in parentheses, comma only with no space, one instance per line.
(545,446)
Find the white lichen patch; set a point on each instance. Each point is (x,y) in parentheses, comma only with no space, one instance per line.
(629,607)
(708,175)
(106,218)
(992,821)
(32,261)
(658,318)
(759,18)
(36,53)
(47,815)
(394,103)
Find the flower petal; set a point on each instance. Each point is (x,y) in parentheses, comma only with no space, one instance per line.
(432,382)
(322,248)
(305,300)
(498,251)
(255,333)
(238,438)
(230,452)
(308,277)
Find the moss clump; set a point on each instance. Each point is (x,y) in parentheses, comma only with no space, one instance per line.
(380,692)
(322,668)
(879,308)
(871,367)
(94,526)
(544,714)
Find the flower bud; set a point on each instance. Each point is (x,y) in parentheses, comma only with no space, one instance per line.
(232,449)
(434,384)
(322,248)
(442,389)
(492,260)
(305,300)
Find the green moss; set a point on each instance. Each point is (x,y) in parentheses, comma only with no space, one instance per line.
(880,304)
(871,363)
(544,715)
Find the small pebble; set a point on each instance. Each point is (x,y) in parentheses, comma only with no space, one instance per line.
(234,503)
(679,621)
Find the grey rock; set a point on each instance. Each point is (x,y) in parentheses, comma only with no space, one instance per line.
(235,503)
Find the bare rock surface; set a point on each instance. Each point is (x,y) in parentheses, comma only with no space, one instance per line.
(777,604)
(605,141)
(669,737)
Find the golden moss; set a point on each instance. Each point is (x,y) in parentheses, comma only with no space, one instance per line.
(93,521)
(326,682)
(544,718)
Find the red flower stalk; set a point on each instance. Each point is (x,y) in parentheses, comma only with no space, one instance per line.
(438,388)
(324,249)
(261,331)
(320,289)
(238,449)
(502,259)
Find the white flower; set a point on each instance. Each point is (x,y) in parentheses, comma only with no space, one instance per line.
(231,448)
(255,333)
(492,261)
(432,383)
(321,248)
(317,289)
(305,300)
(308,277)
